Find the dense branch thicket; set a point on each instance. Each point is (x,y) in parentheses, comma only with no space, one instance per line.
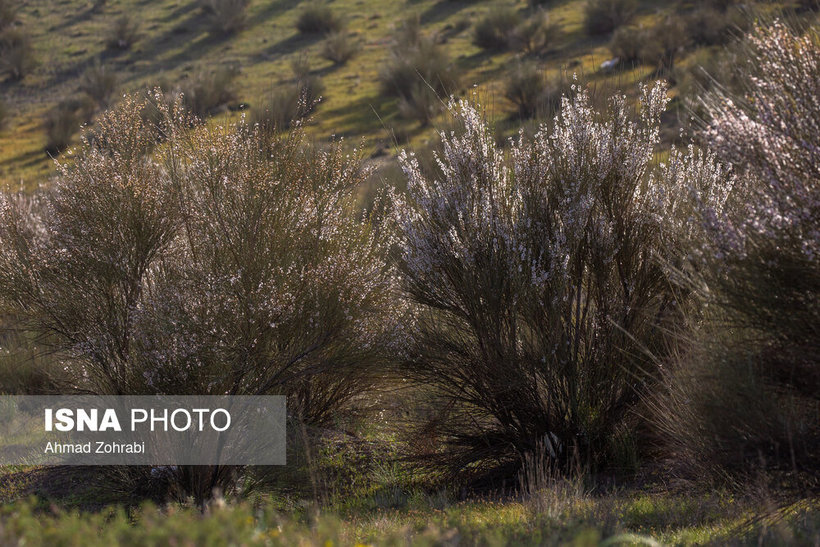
(216,261)
(751,393)
(538,278)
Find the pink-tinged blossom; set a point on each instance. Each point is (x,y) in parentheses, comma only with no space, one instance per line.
(539,277)
(224,260)
(772,136)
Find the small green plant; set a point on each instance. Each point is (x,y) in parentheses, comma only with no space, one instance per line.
(123,32)
(16,53)
(226,16)
(494,30)
(317,18)
(543,491)
(99,82)
(339,47)
(604,16)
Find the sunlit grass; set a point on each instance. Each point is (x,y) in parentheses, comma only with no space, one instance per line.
(174,42)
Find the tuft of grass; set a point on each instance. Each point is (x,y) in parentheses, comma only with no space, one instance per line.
(99,82)
(544,492)
(9,10)
(535,34)
(317,18)
(533,93)
(63,122)
(663,43)
(420,76)
(339,47)
(226,16)
(407,33)
(494,30)
(289,103)
(16,53)
(209,89)
(627,43)
(123,32)
(604,16)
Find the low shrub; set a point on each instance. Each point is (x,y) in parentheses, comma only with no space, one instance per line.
(283,106)
(535,95)
(710,26)
(535,34)
(750,389)
(658,46)
(207,90)
(628,43)
(226,16)
(318,18)
(604,16)
(408,32)
(420,76)
(16,53)
(420,103)
(536,284)
(290,103)
(494,30)
(63,122)
(339,47)
(9,10)
(123,32)
(223,262)
(99,82)
(663,43)
(4,114)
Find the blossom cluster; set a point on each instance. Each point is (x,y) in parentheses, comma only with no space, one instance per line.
(772,134)
(541,274)
(224,260)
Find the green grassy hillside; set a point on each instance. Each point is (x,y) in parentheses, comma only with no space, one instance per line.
(174,43)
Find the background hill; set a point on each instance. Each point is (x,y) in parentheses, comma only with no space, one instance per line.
(251,55)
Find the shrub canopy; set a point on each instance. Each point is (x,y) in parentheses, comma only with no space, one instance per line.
(538,278)
(217,260)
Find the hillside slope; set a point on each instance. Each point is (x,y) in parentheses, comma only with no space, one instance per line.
(175,43)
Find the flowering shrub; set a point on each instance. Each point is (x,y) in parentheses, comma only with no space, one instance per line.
(538,290)
(758,264)
(223,262)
